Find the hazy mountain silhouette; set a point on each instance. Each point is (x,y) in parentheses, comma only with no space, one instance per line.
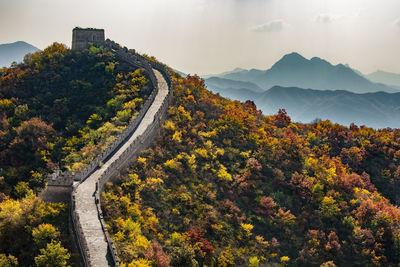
(355,70)
(378,110)
(236,70)
(222,83)
(14,52)
(297,71)
(388,78)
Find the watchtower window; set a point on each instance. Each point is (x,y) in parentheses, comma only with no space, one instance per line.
(93,37)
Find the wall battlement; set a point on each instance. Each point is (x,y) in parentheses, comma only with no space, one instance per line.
(81,37)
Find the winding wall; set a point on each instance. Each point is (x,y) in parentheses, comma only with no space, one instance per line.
(93,240)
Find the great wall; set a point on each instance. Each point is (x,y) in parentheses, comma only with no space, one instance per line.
(83,189)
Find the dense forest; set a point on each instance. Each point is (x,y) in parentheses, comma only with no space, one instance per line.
(58,110)
(225,185)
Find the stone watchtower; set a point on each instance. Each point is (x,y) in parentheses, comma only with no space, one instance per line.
(81,37)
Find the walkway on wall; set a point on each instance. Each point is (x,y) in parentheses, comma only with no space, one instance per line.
(85,201)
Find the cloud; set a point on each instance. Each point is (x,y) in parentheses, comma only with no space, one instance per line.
(324,19)
(271,26)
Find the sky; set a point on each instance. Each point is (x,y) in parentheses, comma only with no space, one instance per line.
(213,36)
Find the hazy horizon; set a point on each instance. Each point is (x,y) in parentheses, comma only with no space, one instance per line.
(208,36)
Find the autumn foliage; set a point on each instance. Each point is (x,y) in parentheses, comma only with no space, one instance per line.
(58,110)
(225,185)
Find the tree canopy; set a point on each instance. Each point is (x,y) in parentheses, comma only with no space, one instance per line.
(225,185)
(58,110)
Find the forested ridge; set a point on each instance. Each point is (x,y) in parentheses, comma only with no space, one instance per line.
(225,185)
(58,110)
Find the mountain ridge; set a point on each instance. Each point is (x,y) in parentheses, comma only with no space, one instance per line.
(389,78)
(375,109)
(15,52)
(226,83)
(295,70)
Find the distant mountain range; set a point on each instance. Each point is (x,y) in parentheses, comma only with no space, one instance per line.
(295,70)
(391,79)
(222,83)
(377,110)
(223,73)
(14,52)
(363,100)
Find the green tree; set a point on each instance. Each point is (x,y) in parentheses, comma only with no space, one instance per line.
(328,207)
(54,255)
(44,234)
(8,261)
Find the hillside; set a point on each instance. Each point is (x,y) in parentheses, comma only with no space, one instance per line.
(14,52)
(378,110)
(225,185)
(59,109)
(222,185)
(293,70)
